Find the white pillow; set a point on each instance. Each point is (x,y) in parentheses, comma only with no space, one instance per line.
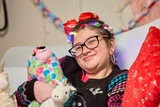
(17,75)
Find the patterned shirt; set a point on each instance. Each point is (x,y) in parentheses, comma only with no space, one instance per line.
(106,92)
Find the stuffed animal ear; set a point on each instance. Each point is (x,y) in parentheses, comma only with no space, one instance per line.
(65,82)
(73,89)
(1,66)
(58,82)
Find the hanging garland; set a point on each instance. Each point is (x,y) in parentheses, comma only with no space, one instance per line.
(46,13)
(131,24)
(134,22)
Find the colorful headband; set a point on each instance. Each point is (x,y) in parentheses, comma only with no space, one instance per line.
(69,25)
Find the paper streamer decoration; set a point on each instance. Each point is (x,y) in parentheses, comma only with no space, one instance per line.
(131,24)
(134,22)
(46,13)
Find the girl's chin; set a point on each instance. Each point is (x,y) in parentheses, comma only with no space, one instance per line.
(90,67)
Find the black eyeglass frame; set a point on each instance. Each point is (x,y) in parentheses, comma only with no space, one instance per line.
(84,44)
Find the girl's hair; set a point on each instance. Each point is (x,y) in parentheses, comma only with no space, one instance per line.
(100,29)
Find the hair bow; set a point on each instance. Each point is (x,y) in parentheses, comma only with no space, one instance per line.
(69,25)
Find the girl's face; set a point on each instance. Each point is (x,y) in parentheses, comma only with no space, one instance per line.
(97,59)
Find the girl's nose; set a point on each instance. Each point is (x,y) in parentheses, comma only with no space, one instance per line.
(85,50)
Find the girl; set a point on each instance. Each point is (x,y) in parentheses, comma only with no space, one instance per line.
(91,68)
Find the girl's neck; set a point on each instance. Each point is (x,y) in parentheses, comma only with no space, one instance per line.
(99,75)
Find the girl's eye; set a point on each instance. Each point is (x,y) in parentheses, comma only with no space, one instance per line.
(77,48)
(91,41)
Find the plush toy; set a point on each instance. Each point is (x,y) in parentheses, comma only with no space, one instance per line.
(59,96)
(44,66)
(143,82)
(5,99)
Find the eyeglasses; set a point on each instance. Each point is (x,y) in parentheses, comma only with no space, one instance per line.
(90,43)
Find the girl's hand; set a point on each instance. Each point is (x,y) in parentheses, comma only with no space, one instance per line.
(42,91)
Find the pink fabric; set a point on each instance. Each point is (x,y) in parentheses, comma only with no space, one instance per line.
(154,13)
(84,78)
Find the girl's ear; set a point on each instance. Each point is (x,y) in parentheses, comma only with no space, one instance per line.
(112,46)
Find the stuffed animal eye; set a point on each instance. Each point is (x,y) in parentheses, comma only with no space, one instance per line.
(65,92)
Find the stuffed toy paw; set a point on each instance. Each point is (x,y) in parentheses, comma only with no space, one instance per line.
(34,104)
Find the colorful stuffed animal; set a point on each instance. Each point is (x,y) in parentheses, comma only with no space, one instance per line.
(5,99)
(44,66)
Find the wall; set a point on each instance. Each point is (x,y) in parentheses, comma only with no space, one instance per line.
(27,26)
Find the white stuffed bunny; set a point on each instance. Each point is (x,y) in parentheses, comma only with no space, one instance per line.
(5,99)
(59,96)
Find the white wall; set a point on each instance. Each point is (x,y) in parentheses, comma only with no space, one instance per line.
(27,26)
